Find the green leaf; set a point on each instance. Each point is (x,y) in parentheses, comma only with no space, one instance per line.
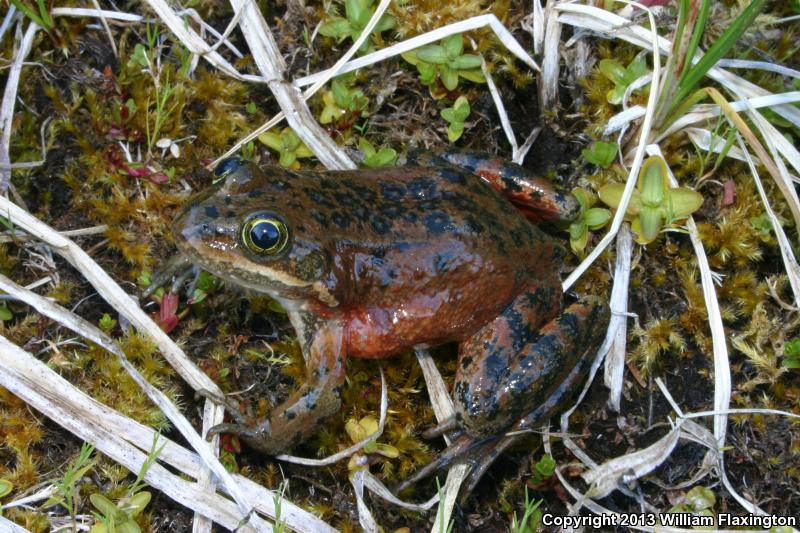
(453,45)
(337,28)
(454,131)
(682,202)
(5,313)
(700,498)
(601,153)
(427,73)
(106,507)
(366,147)
(653,181)
(651,221)
(341,95)
(271,139)
(792,348)
(354,10)
(596,217)
(383,158)
(433,53)
(612,69)
(287,158)
(461,108)
(137,503)
(5,487)
(128,526)
(717,51)
(465,62)
(449,77)
(474,75)
(449,114)
(387,22)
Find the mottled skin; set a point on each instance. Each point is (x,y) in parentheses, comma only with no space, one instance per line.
(415,256)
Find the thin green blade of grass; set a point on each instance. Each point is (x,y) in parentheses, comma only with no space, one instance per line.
(669,83)
(717,51)
(28,12)
(697,34)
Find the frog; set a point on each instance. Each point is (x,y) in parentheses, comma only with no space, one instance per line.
(368,263)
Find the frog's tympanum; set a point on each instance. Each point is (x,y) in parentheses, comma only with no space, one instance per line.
(370,262)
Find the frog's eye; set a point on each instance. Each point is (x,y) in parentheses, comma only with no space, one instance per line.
(265,235)
(225,167)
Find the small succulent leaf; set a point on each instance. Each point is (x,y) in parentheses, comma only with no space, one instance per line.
(104,505)
(635,70)
(473,75)
(449,77)
(601,153)
(370,425)
(337,28)
(611,194)
(596,217)
(700,498)
(128,526)
(387,22)
(362,21)
(287,158)
(5,487)
(384,158)
(353,10)
(427,73)
(577,229)
(289,139)
(579,237)
(453,45)
(682,202)
(585,199)
(387,450)
(341,96)
(271,139)
(651,222)
(653,182)
(5,313)
(433,53)
(461,108)
(366,147)
(449,114)
(410,56)
(465,62)
(354,430)
(303,151)
(137,503)
(612,69)
(454,131)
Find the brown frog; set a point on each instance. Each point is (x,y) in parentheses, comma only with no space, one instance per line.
(370,262)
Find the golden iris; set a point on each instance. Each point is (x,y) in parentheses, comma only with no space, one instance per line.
(265,235)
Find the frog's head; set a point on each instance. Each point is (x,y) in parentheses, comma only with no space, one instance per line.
(248,229)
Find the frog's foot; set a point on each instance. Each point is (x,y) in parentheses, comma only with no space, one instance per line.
(174,272)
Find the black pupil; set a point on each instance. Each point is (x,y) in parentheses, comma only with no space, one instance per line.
(265,234)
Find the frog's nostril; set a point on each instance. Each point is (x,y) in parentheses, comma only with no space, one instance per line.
(226,166)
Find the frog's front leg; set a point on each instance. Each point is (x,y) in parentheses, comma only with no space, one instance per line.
(319,397)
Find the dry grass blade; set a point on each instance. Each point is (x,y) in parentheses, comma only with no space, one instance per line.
(615,360)
(21,50)
(635,167)
(121,301)
(117,437)
(269,61)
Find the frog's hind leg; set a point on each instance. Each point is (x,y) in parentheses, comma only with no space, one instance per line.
(536,197)
(520,378)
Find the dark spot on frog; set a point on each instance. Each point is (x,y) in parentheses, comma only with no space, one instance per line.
(393,192)
(319,217)
(511,184)
(473,225)
(211,212)
(381,225)
(345,199)
(289,415)
(255,193)
(318,197)
(365,193)
(230,213)
(466,361)
(410,217)
(494,367)
(361,213)
(451,175)
(340,219)
(422,188)
(227,199)
(280,185)
(438,222)
(391,211)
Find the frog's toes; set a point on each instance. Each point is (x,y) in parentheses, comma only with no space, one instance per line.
(249,431)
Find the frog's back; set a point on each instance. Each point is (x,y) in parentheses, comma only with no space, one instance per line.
(414,245)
